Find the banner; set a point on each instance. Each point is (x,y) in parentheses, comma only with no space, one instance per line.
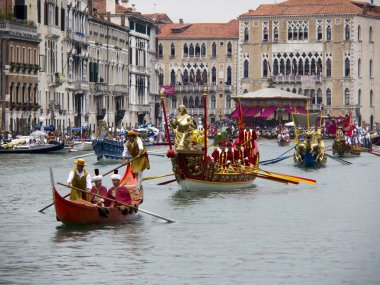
(169,90)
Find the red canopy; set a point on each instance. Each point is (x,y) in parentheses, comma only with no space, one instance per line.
(235,113)
(253,111)
(267,112)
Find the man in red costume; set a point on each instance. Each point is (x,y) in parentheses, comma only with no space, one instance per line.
(118,193)
(98,189)
(230,153)
(241,155)
(249,137)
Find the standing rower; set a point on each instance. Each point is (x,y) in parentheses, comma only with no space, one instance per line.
(79,178)
(134,148)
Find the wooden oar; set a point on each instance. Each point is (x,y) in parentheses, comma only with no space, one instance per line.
(344,162)
(157,176)
(374,153)
(129,206)
(167,182)
(301,179)
(274,178)
(123,164)
(275,160)
(286,152)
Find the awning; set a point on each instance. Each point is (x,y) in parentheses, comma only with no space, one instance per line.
(235,113)
(267,112)
(301,110)
(290,110)
(253,111)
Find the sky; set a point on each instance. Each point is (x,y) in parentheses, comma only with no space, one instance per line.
(196,11)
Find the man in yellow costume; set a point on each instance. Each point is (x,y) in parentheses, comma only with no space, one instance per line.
(79,178)
(135,149)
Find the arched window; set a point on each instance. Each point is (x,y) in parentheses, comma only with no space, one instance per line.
(245,91)
(161,77)
(213,50)
(246,34)
(246,69)
(191,50)
(347,67)
(275,67)
(265,34)
(229,49)
(370,34)
(347,33)
(275,35)
(213,102)
(198,77)
(294,90)
(172,77)
(229,76)
(204,77)
(197,102)
(172,50)
(213,75)
(370,68)
(185,102)
(307,67)
(305,33)
(185,50)
(371,98)
(328,68)
(185,77)
(203,50)
(319,33)
(347,97)
(228,102)
(300,67)
(288,67)
(300,91)
(191,102)
(359,34)
(328,97)
(265,68)
(197,50)
(160,50)
(359,97)
(319,96)
(290,34)
(359,67)
(174,102)
(282,67)
(328,33)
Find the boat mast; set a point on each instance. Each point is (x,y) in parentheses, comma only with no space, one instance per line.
(165,118)
(205,120)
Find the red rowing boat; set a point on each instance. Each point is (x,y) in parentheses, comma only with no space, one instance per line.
(83,212)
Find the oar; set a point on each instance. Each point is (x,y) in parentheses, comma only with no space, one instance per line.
(275,178)
(167,182)
(345,162)
(374,153)
(157,176)
(275,160)
(123,164)
(129,206)
(286,152)
(302,179)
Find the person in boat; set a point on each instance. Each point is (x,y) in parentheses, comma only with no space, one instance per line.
(98,189)
(249,137)
(183,129)
(79,178)
(220,156)
(134,148)
(118,193)
(241,155)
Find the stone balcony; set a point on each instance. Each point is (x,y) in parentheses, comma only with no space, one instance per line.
(19,30)
(292,78)
(53,32)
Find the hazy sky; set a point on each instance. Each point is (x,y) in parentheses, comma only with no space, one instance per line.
(193,11)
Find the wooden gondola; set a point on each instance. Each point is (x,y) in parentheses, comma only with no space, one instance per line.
(83,212)
(39,148)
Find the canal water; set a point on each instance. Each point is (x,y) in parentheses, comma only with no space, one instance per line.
(328,233)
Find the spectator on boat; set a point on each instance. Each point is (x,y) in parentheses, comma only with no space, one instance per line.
(118,193)
(79,178)
(98,189)
(135,149)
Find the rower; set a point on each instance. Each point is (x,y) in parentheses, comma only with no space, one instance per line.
(79,178)
(98,189)
(119,194)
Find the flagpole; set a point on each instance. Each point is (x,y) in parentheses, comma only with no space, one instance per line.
(205,120)
(166,119)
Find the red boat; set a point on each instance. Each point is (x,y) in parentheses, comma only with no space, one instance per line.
(83,212)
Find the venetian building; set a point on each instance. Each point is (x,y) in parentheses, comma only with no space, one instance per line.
(19,65)
(141,42)
(327,50)
(194,56)
(108,70)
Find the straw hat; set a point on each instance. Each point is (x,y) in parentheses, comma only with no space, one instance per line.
(131,133)
(80,162)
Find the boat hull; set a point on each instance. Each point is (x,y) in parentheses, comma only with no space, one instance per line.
(199,185)
(86,213)
(36,149)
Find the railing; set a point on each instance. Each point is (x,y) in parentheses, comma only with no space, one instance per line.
(195,88)
(15,28)
(120,88)
(54,32)
(195,111)
(228,88)
(80,85)
(76,36)
(292,78)
(211,111)
(315,107)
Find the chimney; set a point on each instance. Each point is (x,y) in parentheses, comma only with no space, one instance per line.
(181,21)
(122,20)
(133,8)
(89,6)
(108,16)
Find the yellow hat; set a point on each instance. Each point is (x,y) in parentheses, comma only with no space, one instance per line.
(80,162)
(132,133)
